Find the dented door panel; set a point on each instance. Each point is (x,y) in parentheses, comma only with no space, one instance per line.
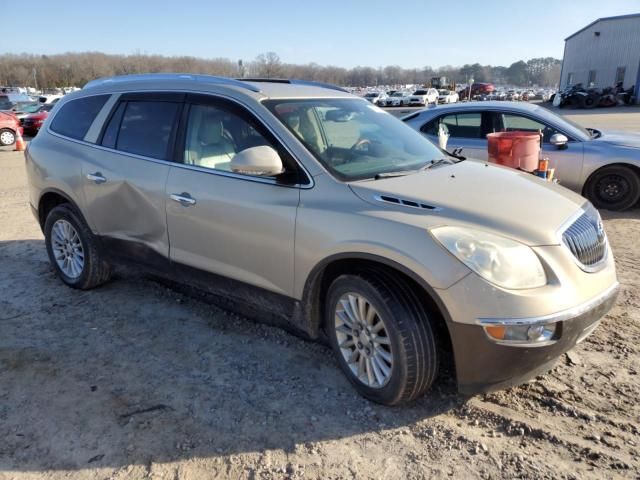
(130,203)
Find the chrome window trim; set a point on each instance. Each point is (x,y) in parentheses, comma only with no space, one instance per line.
(570,221)
(561,316)
(211,171)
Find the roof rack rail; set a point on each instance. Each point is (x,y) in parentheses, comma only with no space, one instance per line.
(294,81)
(172,76)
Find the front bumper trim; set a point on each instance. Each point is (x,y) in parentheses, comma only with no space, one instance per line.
(561,316)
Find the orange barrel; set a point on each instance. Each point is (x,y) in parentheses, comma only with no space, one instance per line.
(514,149)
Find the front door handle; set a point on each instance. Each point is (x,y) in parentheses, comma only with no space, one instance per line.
(183,199)
(96,178)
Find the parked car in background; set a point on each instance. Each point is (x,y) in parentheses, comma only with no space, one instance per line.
(34,121)
(603,166)
(23,109)
(447,96)
(13,98)
(9,128)
(375,97)
(49,98)
(476,89)
(424,97)
(513,95)
(397,99)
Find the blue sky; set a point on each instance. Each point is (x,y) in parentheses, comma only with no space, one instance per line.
(328,32)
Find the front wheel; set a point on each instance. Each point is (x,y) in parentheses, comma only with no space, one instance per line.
(73,250)
(614,188)
(381,336)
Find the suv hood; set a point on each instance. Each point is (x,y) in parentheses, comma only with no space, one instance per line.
(476,194)
(620,138)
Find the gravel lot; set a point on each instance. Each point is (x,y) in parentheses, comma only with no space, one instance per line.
(133,380)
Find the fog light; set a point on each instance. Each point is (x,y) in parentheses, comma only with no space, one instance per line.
(523,335)
(535,332)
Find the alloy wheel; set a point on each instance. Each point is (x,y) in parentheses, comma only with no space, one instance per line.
(363,340)
(67,248)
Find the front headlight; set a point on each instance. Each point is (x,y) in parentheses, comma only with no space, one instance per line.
(501,261)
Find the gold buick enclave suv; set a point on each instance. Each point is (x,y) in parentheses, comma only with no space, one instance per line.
(326,215)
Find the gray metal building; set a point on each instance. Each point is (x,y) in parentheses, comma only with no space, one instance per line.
(603,53)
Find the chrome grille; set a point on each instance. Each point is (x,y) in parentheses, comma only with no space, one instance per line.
(586,240)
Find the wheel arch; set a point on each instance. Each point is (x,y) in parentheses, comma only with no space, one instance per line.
(328,269)
(632,166)
(51,198)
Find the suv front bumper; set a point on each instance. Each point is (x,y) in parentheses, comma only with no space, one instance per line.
(482,365)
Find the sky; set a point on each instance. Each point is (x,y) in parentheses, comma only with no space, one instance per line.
(411,33)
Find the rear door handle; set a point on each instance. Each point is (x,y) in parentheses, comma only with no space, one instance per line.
(96,178)
(183,199)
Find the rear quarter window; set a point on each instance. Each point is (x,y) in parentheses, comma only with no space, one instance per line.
(75,117)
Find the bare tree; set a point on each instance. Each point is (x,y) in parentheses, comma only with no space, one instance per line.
(76,69)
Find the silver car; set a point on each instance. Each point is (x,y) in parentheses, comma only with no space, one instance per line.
(302,205)
(602,166)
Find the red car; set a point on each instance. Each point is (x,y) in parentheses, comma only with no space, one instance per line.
(476,89)
(32,123)
(9,128)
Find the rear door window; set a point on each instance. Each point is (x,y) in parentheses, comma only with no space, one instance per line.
(460,125)
(75,117)
(143,127)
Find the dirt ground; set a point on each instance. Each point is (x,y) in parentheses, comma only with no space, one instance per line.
(133,380)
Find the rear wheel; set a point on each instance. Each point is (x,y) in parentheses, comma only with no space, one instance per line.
(381,336)
(73,249)
(614,188)
(7,137)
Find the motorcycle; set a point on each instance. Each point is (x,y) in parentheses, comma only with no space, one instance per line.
(577,96)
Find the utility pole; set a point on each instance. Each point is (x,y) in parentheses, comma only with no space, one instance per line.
(35,78)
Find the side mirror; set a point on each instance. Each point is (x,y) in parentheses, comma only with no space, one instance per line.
(559,140)
(262,161)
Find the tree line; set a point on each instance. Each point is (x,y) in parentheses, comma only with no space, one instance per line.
(76,69)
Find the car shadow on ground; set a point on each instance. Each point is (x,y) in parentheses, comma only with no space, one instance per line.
(135,373)
(632,213)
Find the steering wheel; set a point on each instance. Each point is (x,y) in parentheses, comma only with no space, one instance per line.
(361,143)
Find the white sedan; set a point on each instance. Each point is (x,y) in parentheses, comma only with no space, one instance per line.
(447,96)
(424,97)
(397,99)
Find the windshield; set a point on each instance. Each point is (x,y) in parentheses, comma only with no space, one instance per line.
(398,94)
(420,92)
(354,139)
(443,92)
(371,95)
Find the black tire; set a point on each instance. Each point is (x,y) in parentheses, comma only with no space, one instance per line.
(96,270)
(613,188)
(591,101)
(412,341)
(7,137)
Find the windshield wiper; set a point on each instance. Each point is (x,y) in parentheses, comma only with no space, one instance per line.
(434,163)
(402,173)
